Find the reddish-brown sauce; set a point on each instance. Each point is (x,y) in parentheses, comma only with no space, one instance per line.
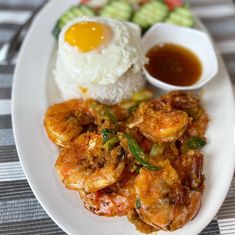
(174,65)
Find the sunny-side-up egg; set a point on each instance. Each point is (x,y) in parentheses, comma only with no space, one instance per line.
(99,58)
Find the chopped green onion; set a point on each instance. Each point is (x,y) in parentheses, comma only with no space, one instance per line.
(138,203)
(107,134)
(108,114)
(137,169)
(133,107)
(194,113)
(111,142)
(142,95)
(104,112)
(127,104)
(196,142)
(157,149)
(138,153)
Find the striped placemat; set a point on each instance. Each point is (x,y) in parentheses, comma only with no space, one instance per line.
(20,212)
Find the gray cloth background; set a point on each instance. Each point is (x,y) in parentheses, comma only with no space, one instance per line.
(20,212)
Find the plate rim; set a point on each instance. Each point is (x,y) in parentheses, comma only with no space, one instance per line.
(15,131)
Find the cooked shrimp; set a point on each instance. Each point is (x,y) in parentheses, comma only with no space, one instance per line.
(160,124)
(180,100)
(190,167)
(115,200)
(87,166)
(163,202)
(64,121)
(199,125)
(185,213)
(191,105)
(140,225)
(140,158)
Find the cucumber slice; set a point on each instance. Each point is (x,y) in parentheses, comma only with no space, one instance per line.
(150,13)
(120,10)
(184,12)
(70,14)
(87,11)
(181,16)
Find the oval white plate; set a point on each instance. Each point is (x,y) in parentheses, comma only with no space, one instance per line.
(37,154)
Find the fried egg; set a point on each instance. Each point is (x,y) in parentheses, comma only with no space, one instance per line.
(98,50)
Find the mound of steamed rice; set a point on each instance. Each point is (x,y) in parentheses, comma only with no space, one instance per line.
(124,88)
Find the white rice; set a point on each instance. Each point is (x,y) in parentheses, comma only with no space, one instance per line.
(123,89)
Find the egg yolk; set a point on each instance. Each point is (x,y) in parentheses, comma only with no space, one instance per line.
(88,36)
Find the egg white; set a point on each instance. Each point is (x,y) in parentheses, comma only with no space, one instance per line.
(107,65)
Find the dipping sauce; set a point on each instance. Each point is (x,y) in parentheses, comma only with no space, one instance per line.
(173,64)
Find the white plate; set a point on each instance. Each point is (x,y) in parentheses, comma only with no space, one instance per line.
(37,154)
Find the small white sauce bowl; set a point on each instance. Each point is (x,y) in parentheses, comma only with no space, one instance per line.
(192,39)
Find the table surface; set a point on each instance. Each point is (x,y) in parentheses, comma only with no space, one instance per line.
(20,212)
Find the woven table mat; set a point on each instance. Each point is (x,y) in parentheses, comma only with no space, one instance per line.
(20,212)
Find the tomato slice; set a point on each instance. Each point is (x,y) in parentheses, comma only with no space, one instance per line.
(172,4)
(85,1)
